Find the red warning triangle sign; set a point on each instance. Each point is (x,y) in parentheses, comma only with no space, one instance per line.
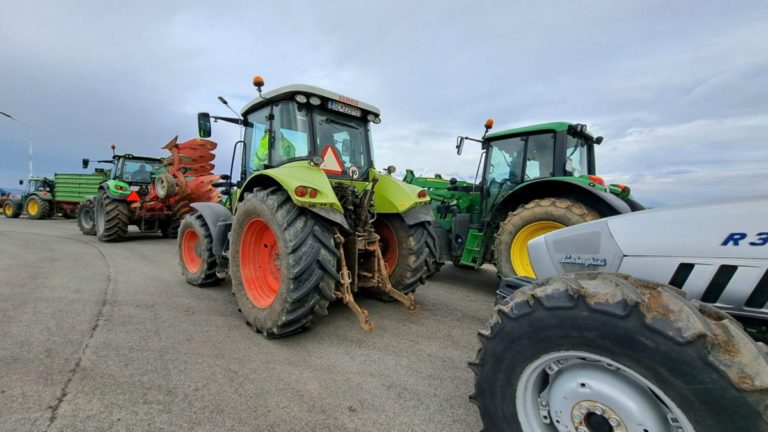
(332,163)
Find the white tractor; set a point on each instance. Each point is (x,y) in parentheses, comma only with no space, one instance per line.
(604,338)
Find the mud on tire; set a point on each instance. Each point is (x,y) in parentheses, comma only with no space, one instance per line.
(305,254)
(195,249)
(690,359)
(561,210)
(111,218)
(86,218)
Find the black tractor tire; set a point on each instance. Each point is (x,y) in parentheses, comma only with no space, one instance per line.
(43,207)
(302,253)
(86,218)
(560,210)
(12,209)
(433,262)
(560,342)
(195,249)
(413,251)
(112,218)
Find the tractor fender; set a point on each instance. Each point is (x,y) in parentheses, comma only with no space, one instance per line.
(418,214)
(109,188)
(291,175)
(395,196)
(43,197)
(219,221)
(603,202)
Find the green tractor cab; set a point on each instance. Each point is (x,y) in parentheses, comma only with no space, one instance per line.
(309,220)
(535,179)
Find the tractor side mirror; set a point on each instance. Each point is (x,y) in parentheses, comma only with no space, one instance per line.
(459,145)
(21,182)
(204,125)
(391,169)
(225,177)
(86,161)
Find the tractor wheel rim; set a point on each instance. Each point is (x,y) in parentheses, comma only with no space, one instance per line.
(8,209)
(259,263)
(518,251)
(32,207)
(586,391)
(86,217)
(190,251)
(388,243)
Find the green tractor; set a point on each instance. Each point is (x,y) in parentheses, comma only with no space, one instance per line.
(535,179)
(36,201)
(48,197)
(309,220)
(115,206)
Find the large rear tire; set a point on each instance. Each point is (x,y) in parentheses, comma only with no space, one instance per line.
(86,218)
(603,351)
(37,208)
(405,250)
(11,209)
(531,220)
(283,263)
(433,260)
(111,218)
(195,248)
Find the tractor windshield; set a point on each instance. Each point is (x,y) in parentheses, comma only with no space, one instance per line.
(139,170)
(577,156)
(345,137)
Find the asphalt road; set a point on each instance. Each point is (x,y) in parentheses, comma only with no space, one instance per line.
(97,336)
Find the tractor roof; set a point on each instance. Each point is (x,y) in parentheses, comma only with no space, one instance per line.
(308,90)
(541,127)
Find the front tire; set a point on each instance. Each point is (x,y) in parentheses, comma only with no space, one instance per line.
(598,350)
(111,218)
(283,263)
(37,208)
(86,218)
(529,221)
(195,249)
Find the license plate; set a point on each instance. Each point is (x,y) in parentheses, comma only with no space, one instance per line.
(346,109)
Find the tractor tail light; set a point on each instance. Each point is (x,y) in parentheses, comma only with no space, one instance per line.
(133,197)
(313,193)
(422,193)
(301,191)
(597,179)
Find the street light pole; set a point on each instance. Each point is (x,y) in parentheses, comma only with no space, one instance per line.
(29,134)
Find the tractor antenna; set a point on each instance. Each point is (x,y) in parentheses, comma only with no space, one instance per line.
(226,104)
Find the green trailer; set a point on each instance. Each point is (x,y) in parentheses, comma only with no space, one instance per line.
(46,197)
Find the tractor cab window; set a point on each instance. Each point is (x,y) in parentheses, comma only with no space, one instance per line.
(291,132)
(576,156)
(272,143)
(505,161)
(139,171)
(540,157)
(345,136)
(36,186)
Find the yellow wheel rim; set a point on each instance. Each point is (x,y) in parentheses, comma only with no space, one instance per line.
(8,209)
(32,207)
(518,252)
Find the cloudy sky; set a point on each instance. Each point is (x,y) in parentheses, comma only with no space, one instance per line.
(679,89)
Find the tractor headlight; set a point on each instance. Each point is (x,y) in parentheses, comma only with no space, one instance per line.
(300,98)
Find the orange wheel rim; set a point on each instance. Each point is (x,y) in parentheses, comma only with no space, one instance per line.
(388,244)
(259,263)
(190,251)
